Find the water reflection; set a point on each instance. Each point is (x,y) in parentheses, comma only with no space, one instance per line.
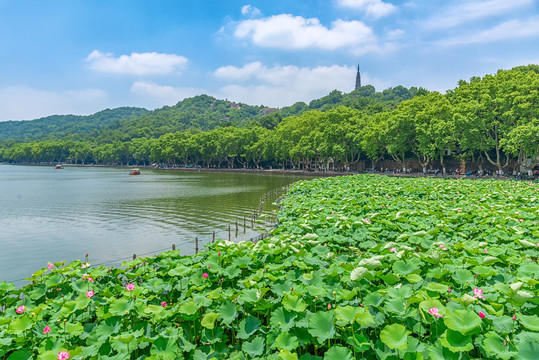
(55,215)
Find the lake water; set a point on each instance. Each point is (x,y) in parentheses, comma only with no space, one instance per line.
(55,215)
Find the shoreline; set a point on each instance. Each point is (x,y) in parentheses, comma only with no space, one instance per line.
(292,172)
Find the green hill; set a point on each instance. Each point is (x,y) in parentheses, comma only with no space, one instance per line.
(66,126)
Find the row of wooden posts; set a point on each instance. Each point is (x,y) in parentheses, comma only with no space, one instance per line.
(270,195)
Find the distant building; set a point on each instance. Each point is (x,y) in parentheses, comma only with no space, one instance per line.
(358,78)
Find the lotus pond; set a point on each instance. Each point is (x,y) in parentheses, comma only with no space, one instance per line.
(359,267)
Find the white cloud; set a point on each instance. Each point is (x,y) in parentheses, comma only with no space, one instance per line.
(24,103)
(468,11)
(514,29)
(374,8)
(137,63)
(250,11)
(295,32)
(278,86)
(156,95)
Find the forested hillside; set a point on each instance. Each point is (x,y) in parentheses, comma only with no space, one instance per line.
(66,126)
(491,122)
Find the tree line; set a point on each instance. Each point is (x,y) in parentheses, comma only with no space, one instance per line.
(492,120)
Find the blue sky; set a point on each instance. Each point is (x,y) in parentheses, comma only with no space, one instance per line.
(82,56)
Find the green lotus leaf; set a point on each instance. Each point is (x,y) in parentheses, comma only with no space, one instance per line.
(503,324)
(396,306)
(358,273)
(294,303)
(437,287)
(188,308)
(494,345)
(125,343)
(282,319)
(464,321)
(346,314)
(232,272)
(310,357)
(321,325)
(370,263)
(403,268)
(462,276)
(413,278)
(489,260)
(255,347)
(227,312)
(527,351)
(373,299)
(521,297)
(37,293)
(286,342)
(107,328)
(153,309)
(180,271)
(5,286)
(22,355)
(120,306)
(208,321)
(53,280)
(248,327)
(390,279)
(529,322)
(20,324)
(395,336)
(164,348)
(484,271)
(288,355)
(364,317)
(456,342)
(74,329)
(337,352)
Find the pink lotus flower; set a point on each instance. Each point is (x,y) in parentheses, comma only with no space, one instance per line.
(50,266)
(163,303)
(485,251)
(521,220)
(482,315)
(62,355)
(514,317)
(90,293)
(205,275)
(90,279)
(434,311)
(441,246)
(130,287)
(449,289)
(84,266)
(329,306)
(219,254)
(20,309)
(46,330)
(478,293)
(393,249)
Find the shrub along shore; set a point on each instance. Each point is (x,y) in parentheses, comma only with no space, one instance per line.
(364,267)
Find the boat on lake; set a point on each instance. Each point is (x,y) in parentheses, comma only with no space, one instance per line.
(59,166)
(134,172)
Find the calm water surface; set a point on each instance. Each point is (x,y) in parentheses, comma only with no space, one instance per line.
(56,215)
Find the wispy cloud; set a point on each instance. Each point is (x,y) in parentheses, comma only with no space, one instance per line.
(282,85)
(250,11)
(25,103)
(137,63)
(156,95)
(463,12)
(514,29)
(295,33)
(374,8)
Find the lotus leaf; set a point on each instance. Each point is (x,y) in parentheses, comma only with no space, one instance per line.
(464,321)
(395,336)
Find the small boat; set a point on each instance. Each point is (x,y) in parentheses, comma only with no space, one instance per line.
(134,172)
(59,166)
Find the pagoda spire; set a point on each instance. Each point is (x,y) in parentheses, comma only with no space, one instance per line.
(358,79)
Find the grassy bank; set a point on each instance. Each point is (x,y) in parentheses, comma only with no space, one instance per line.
(363,267)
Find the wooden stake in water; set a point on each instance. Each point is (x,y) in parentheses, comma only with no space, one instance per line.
(173,247)
(134,256)
(213,237)
(196,245)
